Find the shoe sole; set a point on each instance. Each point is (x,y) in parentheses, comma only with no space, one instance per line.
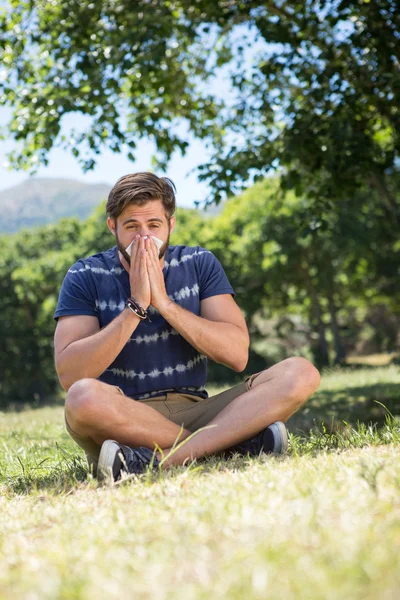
(108,452)
(280,437)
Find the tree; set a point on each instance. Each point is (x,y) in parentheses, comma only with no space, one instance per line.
(128,67)
(327,95)
(320,99)
(286,262)
(32,266)
(305,276)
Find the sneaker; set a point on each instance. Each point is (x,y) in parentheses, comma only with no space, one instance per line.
(272,440)
(116,459)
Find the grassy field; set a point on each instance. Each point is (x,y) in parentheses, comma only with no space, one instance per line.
(321,523)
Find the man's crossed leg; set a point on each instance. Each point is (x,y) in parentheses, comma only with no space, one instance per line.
(96,412)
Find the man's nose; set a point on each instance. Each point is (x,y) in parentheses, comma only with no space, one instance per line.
(144,231)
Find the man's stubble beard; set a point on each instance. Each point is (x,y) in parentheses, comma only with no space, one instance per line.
(126,255)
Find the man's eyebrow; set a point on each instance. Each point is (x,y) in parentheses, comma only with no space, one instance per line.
(148,220)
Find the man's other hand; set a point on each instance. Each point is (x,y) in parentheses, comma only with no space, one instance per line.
(159,296)
(138,273)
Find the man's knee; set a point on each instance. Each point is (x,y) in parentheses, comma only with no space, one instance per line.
(80,401)
(302,378)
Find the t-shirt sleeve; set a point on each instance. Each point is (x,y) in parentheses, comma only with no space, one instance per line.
(77,295)
(212,277)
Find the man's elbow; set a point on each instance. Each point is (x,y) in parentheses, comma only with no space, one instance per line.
(241,362)
(243,358)
(64,382)
(239,367)
(63,378)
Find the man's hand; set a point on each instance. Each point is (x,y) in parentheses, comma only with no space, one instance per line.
(159,296)
(138,274)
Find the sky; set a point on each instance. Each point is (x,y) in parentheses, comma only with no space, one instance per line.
(111,166)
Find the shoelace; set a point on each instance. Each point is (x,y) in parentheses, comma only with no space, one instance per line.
(137,460)
(251,446)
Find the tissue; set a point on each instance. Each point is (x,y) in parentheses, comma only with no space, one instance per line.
(157,241)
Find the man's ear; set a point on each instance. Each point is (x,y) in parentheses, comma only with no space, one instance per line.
(111,225)
(172,222)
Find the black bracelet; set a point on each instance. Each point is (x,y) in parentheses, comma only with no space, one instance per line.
(136,308)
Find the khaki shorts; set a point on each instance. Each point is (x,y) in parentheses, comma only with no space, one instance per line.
(186,410)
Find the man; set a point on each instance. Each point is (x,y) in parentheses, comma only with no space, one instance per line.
(134,332)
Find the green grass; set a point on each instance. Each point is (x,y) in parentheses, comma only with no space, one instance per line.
(322,522)
(353,394)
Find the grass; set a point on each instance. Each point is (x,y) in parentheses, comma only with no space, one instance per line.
(353,394)
(322,522)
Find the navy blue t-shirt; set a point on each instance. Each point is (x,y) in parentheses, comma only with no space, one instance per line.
(156,359)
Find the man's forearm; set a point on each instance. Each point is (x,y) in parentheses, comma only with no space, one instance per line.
(90,356)
(222,342)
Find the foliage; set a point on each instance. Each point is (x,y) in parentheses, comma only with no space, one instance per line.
(314,87)
(128,68)
(287,262)
(32,266)
(305,285)
(322,100)
(191,227)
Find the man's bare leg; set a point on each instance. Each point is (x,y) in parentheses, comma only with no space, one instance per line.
(99,411)
(276,394)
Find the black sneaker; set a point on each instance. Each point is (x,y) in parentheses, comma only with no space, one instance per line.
(116,459)
(272,440)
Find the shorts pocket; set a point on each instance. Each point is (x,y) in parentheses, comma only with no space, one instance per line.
(177,403)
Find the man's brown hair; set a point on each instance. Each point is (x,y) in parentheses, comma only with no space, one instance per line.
(139,188)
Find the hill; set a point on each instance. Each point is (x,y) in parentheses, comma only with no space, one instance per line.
(38,201)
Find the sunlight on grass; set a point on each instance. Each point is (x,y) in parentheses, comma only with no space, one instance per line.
(302,527)
(322,522)
(374,360)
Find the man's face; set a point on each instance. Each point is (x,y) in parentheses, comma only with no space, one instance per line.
(149,219)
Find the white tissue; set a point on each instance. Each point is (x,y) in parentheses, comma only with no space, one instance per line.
(157,241)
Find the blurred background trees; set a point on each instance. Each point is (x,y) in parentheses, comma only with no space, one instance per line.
(311,87)
(320,289)
(306,117)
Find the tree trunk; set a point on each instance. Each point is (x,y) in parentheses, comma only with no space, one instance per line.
(388,200)
(322,354)
(340,350)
